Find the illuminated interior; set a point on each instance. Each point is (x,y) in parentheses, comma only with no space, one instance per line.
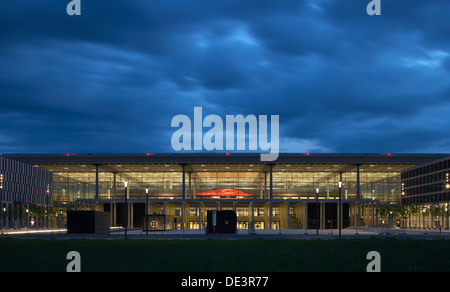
(225,181)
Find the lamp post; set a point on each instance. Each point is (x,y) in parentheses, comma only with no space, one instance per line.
(447,187)
(47,202)
(126,209)
(340,208)
(146,211)
(317,211)
(27,218)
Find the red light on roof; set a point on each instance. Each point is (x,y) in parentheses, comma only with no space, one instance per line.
(148,154)
(69,154)
(227,154)
(307,154)
(387,154)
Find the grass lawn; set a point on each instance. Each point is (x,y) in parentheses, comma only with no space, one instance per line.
(214,255)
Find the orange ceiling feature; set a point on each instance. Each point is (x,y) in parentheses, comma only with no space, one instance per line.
(224,192)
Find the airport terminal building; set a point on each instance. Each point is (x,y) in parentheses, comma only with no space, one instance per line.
(298,191)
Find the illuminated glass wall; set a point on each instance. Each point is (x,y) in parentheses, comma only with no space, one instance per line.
(226,181)
(70,186)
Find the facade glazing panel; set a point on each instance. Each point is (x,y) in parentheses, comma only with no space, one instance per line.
(226,181)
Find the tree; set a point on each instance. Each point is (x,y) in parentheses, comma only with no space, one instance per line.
(414,211)
(382,211)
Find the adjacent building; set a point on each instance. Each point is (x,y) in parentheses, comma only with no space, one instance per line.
(427,183)
(426,194)
(23,187)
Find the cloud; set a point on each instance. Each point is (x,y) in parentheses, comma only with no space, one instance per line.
(112,79)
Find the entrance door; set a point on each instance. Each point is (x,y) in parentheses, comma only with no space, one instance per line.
(313,216)
(331,215)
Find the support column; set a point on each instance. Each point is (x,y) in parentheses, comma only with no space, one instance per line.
(358,194)
(270,215)
(265,185)
(252,216)
(96,182)
(96,187)
(187,214)
(271,182)
(200,215)
(184,182)
(114,185)
(306,218)
(111,214)
(131,215)
(328,188)
(189,193)
(182,216)
(195,188)
(261,190)
(114,218)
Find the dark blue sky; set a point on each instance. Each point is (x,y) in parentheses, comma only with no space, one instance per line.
(112,79)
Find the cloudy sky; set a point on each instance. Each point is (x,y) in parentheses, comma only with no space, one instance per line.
(112,79)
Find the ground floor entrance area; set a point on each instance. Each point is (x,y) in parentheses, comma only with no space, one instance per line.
(250,215)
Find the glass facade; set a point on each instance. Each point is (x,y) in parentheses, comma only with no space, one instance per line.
(225,181)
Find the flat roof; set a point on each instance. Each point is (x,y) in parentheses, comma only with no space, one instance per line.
(289,162)
(223,157)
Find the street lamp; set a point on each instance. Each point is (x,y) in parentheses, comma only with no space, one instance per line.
(317,211)
(27,218)
(340,208)
(47,201)
(447,187)
(146,211)
(126,209)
